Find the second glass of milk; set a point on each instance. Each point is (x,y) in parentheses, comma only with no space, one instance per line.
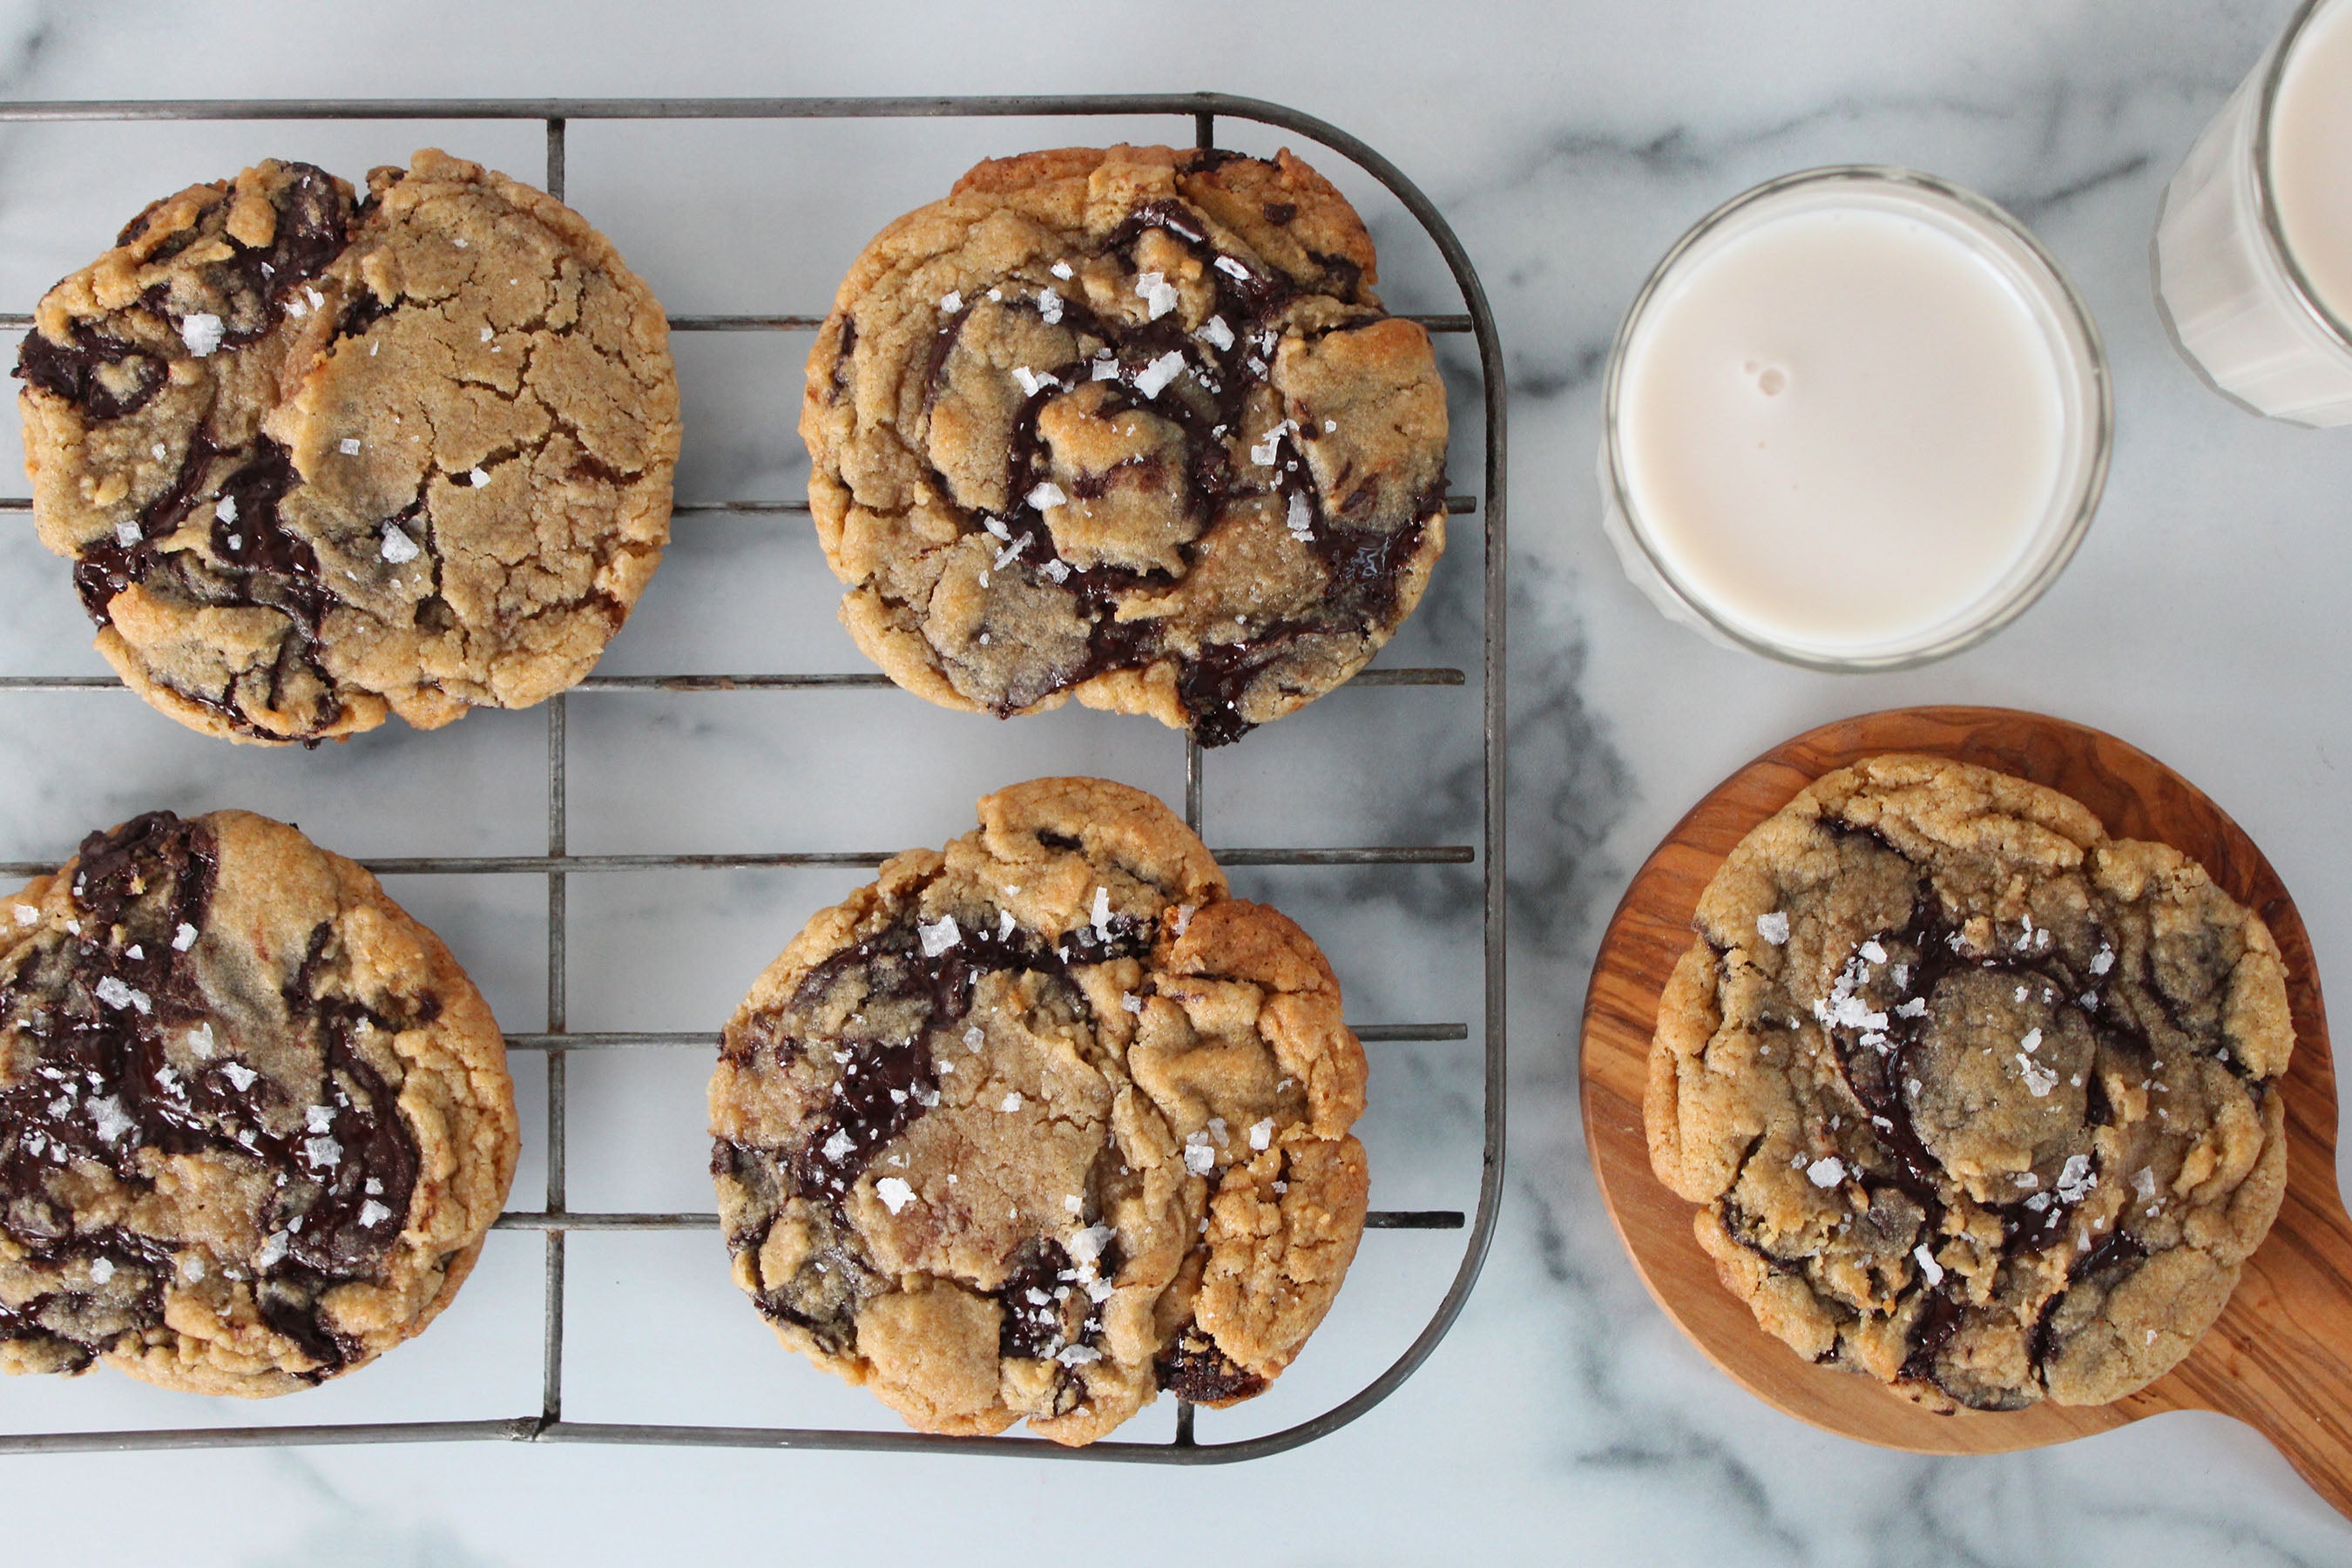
(1857,419)
(2254,243)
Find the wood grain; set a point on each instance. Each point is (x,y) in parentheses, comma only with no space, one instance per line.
(2279,1359)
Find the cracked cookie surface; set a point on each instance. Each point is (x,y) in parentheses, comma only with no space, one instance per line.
(321,458)
(1129,425)
(1044,1123)
(1975,1099)
(253,1119)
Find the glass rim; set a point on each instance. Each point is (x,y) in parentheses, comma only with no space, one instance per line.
(2266,192)
(2083,504)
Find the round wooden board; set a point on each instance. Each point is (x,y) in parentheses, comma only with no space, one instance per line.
(2277,1358)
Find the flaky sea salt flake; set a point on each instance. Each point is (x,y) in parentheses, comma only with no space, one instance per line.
(106,1113)
(895,1193)
(938,936)
(1826,1172)
(1261,1133)
(1153,378)
(185,938)
(349,446)
(398,547)
(1928,1264)
(2039,1080)
(2077,1179)
(119,996)
(1773,928)
(201,333)
(1046,493)
(1157,294)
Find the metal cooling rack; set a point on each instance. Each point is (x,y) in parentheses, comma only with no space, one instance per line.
(556,1219)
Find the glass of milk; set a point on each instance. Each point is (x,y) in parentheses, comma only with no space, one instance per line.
(2254,241)
(1857,419)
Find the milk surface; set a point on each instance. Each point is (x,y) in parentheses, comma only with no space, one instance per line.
(2311,155)
(1841,426)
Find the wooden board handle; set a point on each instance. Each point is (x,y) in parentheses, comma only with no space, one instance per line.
(2279,1358)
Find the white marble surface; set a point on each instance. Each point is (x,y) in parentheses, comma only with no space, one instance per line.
(1568,142)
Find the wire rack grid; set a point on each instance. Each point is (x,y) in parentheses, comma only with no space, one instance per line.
(555,1219)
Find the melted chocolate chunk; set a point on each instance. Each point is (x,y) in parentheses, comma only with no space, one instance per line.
(1939,1321)
(362,313)
(104,378)
(1193,1368)
(249,537)
(100,1089)
(844,356)
(1032,1327)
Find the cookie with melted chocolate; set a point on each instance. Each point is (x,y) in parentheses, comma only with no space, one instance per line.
(1129,425)
(254,1120)
(1044,1123)
(320,458)
(1976,1099)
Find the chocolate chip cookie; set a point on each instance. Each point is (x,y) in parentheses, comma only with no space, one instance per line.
(320,458)
(1044,1123)
(254,1120)
(1129,425)
(1976,1099)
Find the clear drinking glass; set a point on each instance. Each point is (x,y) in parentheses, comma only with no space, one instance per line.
(2086,399)
(2240,307)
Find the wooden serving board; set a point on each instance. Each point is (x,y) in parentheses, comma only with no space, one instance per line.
(2279,1358)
